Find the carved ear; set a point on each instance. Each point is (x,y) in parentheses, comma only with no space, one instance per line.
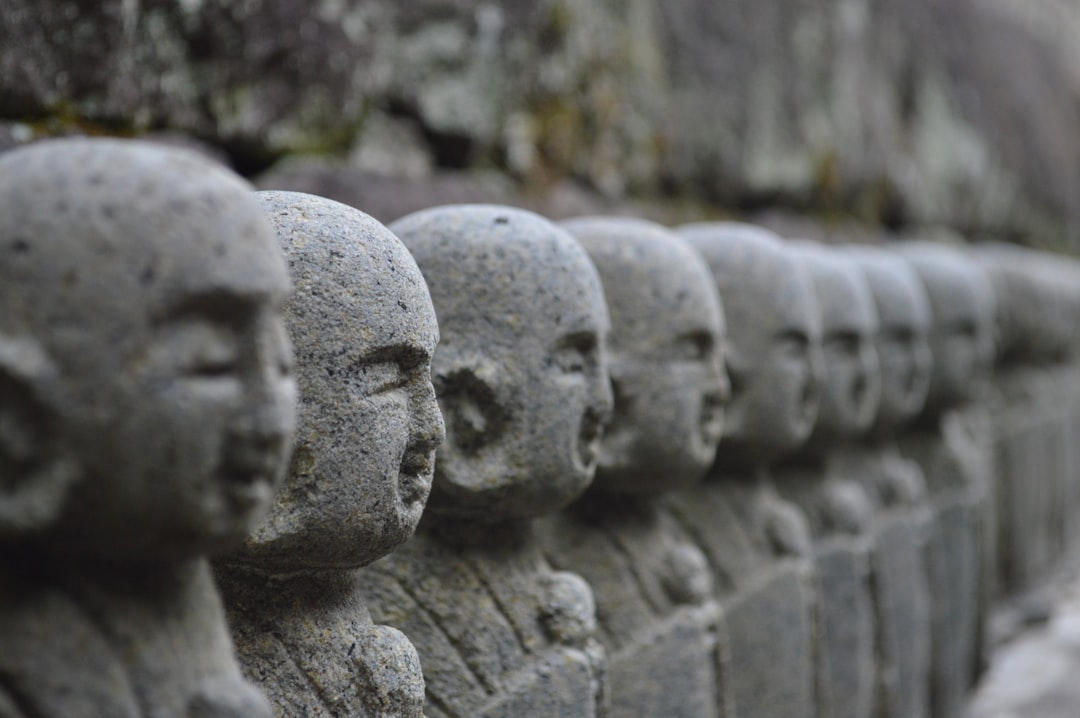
(473,411)
(34,479)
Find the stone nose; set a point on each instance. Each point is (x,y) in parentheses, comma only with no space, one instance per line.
(428,427)
(601,400)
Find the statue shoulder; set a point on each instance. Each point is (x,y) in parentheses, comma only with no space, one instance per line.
(56,660)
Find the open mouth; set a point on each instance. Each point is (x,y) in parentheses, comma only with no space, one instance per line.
(414,477)
(859,394)
(712,418)
(808,400)
(588,443)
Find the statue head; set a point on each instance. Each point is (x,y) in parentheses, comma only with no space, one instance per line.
(148,399)
(774,340)
(852,386)
(903,339)
(364,333)
(666,356)
(521,372)
(962,311)
(1033,313)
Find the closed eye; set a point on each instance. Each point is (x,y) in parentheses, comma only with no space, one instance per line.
(576,352)
(693,346)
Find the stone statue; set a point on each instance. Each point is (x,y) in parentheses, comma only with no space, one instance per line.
(756,544)
(835,501)
(1030,404)
(653,587)
(951,446)
(896,486)
(521,378)
(146,417)
(364,331)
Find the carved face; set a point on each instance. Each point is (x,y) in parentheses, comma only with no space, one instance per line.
(365,332)
(779,389)
(961,335)
(521,374)
(667,367)
(160,291)
(903,346)
(849,333)
(774,331)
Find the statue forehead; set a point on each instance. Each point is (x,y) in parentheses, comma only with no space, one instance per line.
(356,286)
(957,289)
(120,227)
(843,295)
(762,289)
(897,291)
(656,285)
(502,268)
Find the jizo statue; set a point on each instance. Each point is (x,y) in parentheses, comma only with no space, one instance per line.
(521,378)
(951,449)
(896,485)
(146,417)
(364,331)
(1028,409)
(757,545)
(835,501)
(653,586)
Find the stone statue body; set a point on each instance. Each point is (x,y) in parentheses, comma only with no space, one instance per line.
(1029,411)
(757,544)
(950,444)
(655,610)
(364,332)
(147,417)
(835,501)
(521,377)
(896,487)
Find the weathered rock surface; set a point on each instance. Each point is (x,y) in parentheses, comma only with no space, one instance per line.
(894,112)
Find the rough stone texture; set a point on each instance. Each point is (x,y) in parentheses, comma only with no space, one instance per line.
(897,487)
(835,502)
(364,331)
(757,544)
(521,377)
(1030,406)
(147,416)
(653,587)
(950,446)
(891,111)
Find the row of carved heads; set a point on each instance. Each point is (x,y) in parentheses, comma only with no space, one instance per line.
(153,411)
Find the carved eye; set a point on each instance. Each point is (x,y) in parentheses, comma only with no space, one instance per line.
(203,350)
(842,344)
(695,346)
(792,345)
(576,353)
(965,329)
(381,377)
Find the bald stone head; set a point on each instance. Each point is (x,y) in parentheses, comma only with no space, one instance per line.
(364,333)
(849,322)
(666,356)
(774,336)
(903,340)
(521,371)
(148,402)
(961,336)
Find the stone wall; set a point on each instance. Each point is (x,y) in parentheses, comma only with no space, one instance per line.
(951,112)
